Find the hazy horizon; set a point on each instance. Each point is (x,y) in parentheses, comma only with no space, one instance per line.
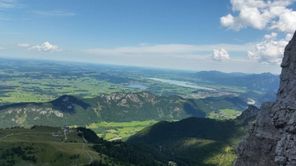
(126,66)
(235,36)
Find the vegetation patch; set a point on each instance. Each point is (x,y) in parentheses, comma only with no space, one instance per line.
(119,130)
(224,114)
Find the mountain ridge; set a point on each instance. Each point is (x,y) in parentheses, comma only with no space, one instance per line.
(271,140)
(117,107)
(196,141)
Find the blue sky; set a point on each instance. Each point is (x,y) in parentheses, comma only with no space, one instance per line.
(187,34)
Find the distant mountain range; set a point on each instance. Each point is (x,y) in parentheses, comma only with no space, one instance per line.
(115,107)
(263,82)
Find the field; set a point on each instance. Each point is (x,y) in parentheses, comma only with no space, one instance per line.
(122,116)
(35,85)
(45,145)
(40,81)
(224,114)
(43,81)
(119,130)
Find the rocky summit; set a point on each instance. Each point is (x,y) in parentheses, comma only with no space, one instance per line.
(272,139)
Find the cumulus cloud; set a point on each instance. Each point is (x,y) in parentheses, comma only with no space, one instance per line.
(43,47)
(270,50)
(161,54)
(228,21)
(274,16)
(271,14)
(220,55)
(286,22)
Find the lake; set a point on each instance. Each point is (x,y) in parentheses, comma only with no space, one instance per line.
(182,83)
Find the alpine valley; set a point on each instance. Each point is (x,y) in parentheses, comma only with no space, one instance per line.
(114,115)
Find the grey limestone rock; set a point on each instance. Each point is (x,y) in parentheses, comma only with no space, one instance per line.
(272,139)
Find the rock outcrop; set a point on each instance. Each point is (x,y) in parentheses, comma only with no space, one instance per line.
(272,139)
(248,116)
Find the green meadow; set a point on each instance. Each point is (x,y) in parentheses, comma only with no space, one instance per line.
(119,130)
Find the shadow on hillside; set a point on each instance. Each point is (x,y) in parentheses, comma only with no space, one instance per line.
(190,141)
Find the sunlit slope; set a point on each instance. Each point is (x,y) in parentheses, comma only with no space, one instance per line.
(115,107)
(66,146)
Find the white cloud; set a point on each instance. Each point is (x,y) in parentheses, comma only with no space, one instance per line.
(199,59)
(168,49)
(43,47)
(274,16)
(182,56)
(220,55)
(24,45)
(286,22)
(270,50)
(261,14)
(228,21)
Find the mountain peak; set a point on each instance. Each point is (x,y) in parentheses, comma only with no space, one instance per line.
(287,91)
(271,140)
(66,103)
(248,115)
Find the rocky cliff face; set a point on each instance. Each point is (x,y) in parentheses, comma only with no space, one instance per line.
(248,116)
(272,139)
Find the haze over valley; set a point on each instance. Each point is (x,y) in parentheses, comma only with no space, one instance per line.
(147,83)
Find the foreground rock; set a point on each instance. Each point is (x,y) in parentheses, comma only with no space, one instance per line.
(248,116)
(272,139)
